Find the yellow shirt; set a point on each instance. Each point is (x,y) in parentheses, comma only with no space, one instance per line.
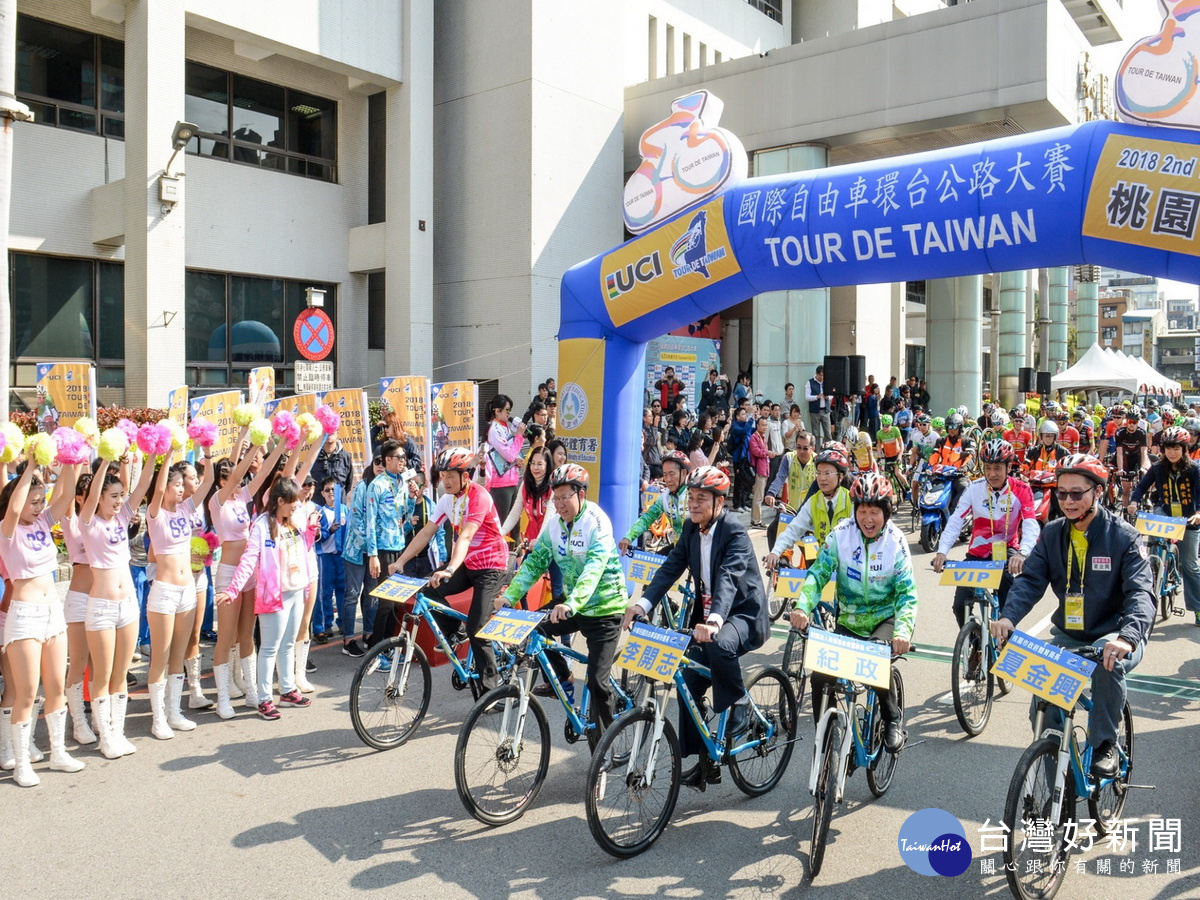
(1078,560)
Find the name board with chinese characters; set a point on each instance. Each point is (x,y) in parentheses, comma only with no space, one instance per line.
(1052,673)
(653,652)
(867,662)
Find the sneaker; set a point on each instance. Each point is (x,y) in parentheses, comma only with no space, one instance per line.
(354,649)
(209,637)
(1198,618)
(310,667)
(321,637)
(267,710)
(294,698)
(383,663)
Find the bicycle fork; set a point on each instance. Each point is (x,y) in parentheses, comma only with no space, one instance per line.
(398,677)
(516,717)
(827,717)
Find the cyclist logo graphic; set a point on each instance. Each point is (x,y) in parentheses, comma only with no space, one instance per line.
(686,159)
(690,253)
(1156,81)
(933,842)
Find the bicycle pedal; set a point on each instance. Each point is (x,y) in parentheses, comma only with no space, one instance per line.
(1140,787)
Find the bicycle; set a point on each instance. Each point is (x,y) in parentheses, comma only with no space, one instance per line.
(634,778)
(389,694)
(1051,775)
(891,468)
(793,652)
(1164,563)
(848,724)
(973,684)
(503,750)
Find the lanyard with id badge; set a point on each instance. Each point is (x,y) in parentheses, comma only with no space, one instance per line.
(1000,541)
(1175,506)
(1073,600)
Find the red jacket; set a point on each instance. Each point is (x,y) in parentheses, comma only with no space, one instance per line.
(668,391)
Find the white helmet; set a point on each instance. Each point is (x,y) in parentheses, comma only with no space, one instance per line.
(1048,427)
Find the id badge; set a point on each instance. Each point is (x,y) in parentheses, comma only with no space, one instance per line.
(999,551)
(706,601)
(1177,510)
(1073,611)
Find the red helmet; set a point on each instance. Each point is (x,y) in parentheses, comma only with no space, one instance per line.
(455,459)
(1085,465)
(679,458)
(571,474)
(997,451)
(836,445)
(834,457)
(709,478)
(1175,436)
(871,487)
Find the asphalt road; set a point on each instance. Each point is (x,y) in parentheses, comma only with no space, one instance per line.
(300,808)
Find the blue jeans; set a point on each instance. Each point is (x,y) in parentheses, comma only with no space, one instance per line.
(331,581)
(278,633)
(354,575)
(207,623)
(1189,566)
(141,588)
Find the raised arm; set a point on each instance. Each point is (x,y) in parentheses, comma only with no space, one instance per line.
(309,457)
(160,486)
(234,481)
(139,490)
(88,510)
(63,501)
(264,471)
(210,475)
(16,501)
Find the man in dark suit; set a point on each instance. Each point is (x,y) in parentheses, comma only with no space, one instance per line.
(729,616)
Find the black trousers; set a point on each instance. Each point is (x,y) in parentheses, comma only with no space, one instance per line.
(602,634)
(743,483)
(485,584)
(965,596)
(723,658)
(387,612)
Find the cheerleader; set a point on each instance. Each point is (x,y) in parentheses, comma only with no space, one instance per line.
(35,628)
(75,610)
(197,488)
(112,611)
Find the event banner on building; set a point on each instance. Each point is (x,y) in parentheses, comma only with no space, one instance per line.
(66,393)
(408,397)
(218,408)
(261,389)
(295,404)
(351,405)
(581,401)
(177,405)
(453,415)
(691,358)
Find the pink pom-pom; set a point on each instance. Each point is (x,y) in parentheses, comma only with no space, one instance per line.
(165,439)
(130,429)
(72,446)
(283,422)
(202,431)
(329,418)
(154,440)
(292,435)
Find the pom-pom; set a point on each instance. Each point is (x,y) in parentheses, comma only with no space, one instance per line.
(244,414)
(41,449)
(203,431)
(179,435)
(311,428)
(72,446)
(129,429)
(113,443)
(260,432)
(154,440)
(89,429)
(329,418)
(284,424)
(14,442)
(202,549)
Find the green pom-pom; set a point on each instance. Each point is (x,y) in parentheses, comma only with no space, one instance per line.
(113,444)
(260,432)
(41,449)
(244,414)
(14,442)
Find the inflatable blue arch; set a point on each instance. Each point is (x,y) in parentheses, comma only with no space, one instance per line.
(1125,196)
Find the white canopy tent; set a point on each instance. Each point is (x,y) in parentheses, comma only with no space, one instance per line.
(1152,381)
(1099,369)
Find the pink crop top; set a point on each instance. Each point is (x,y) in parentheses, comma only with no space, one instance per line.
(74,541)
(231,520)
(106,541)
(30,552)
(171,532)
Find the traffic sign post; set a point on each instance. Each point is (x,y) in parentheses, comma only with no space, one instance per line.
(313,334)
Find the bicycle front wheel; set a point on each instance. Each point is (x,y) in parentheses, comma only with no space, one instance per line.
(498,771)
(882,769)
(1109,803)
(773,722)
(775,604)
(385,705)
(632,784)
(823,797)
(793,663)
(1030,798)
(970,683)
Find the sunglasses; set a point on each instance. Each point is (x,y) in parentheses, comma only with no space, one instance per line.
(1073,496)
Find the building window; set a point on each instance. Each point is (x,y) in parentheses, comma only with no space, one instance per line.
(236,323)
(71,79)
(377,311)
(261,124)
(65,309)
(915,292)
(1108,333)
(1108,312)
(772,9)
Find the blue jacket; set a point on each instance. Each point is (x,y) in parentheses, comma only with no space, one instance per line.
(332,540)
(739,439)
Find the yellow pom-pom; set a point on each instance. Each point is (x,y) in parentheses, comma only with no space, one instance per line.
(179,436)
(89,429)
(260,432)
(113,444)
(14,442)
(41,449)
(310,426)
(244,414)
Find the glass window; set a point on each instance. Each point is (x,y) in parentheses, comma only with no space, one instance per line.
(112,75)
(53,314)
(256,307)
(57,64)
(110,295)
(205,310)
(206,105)
(257,121)
(312,125)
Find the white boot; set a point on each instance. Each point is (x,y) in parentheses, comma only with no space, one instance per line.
(119,704)
(237,689)
(301,657)
(174,698)
(83,734)
(196,698)
(158,711)
(222,676)
(35,755)
(23,773)
(7,757)
(102,723)
(249,665)
(60,760)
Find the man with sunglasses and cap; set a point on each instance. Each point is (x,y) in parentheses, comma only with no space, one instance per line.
(1097,567)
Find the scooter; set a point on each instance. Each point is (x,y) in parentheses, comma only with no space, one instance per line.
(937,484)
(1042,483)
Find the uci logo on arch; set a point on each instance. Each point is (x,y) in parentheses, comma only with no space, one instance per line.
(642,271)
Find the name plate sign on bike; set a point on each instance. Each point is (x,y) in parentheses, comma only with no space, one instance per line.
(510,626)
(785,518)
(398,588)
(644,566)
(790,582)
(653,652)
(648,498)
(1056,675)
(1167,527)
(810,547)
(969,573)
(868,662)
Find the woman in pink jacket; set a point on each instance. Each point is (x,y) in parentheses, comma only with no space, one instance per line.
(502,450)
(760,461)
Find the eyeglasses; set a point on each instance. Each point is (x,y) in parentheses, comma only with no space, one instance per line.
(395,456)
(328,490)
(1073,496)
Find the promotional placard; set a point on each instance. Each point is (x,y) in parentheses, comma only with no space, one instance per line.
(408,397)
(351,405)
(1053,673)
(453,414)
(653,652)
(218,408)
(66,393)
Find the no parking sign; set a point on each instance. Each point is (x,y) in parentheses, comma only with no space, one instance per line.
(313,334)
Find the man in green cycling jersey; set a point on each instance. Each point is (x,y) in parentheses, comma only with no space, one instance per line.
(672,501)
(579,538)
(876,594)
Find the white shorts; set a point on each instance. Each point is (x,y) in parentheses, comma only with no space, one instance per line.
(224,575)
(75,607)
(201,581)
(36,621)
(3,625)
(171,599)
(103,615)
